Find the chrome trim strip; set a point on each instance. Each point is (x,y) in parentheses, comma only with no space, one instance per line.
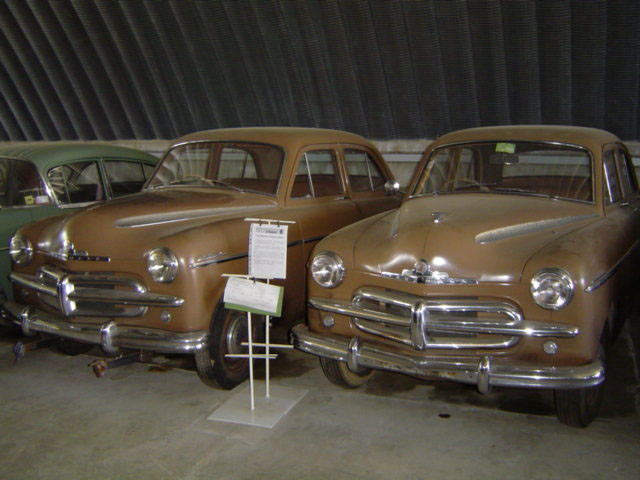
(2,249)
(110,336)
(484,371)
(171,217)
(216,258)
(525,228)
(600,280)
(346,308)
(429,278)
(69,292)
(205,260)
(313,239)
(141,299)
(434,341)
(34,283)
(88,258)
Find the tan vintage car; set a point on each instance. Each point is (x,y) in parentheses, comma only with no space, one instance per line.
(144,272)
(507,265)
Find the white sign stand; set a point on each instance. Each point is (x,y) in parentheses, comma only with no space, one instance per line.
(274,408)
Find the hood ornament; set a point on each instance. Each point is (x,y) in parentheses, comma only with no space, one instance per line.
(68,252)
(423,273)
(438,216)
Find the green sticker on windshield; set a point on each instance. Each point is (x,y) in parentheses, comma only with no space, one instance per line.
(506,147)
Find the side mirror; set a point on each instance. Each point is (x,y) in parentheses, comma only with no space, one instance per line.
(391,187)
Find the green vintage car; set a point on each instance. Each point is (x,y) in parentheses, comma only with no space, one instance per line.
(41,180)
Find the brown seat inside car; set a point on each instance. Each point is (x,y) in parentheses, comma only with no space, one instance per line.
(324,185)
(566,186)
(257,184)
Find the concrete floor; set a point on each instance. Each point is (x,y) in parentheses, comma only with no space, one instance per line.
(57,420)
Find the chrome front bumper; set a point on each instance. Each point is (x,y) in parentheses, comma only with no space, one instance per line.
(484,372)
(109,335)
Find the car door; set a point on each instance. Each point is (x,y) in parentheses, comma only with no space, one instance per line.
(23,199)
(318,193)
(366,176)
(317,200)
(622,208)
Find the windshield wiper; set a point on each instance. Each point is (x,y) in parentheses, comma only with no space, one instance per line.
(206,181)
(467,188)
(523,191)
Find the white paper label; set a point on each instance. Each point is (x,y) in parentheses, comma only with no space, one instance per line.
(249,295)
(268,251)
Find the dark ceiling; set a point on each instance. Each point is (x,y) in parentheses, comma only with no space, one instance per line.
(82,69)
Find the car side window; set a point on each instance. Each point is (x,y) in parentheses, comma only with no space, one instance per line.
(78,182)
(148,170)
(613,186)
(635,166)
(236,163)
(21,184)
(317,175)
(364,173)
(627,178)
(124,177)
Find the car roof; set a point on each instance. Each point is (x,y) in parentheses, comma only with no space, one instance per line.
(49,154)
(291,138)
(591,138)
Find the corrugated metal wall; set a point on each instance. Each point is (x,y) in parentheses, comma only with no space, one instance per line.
(133,69)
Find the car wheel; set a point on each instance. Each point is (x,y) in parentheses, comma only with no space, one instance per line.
(7,328)
(338,372)
(73,348)
(228,332)
(579,407)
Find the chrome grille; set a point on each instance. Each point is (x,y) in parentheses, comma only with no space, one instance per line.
(64,292)
(441,323)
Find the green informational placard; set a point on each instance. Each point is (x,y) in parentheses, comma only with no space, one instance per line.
(251,296)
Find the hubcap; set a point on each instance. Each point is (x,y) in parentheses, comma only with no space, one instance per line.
(236,333)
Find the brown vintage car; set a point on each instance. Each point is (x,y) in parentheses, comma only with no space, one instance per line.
(144,272)
(508,264)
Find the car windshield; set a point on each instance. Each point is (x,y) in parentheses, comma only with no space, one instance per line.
(21,184)
(240,166)
(526,168)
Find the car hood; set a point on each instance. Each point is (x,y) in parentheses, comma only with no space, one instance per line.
(484,237)
(121,227)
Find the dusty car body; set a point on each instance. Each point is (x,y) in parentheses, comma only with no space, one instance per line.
(144,272)
(43,179)
(507,265)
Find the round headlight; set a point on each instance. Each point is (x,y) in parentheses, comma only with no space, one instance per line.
(20,250)
(552,288)
(327,269)
(162,265)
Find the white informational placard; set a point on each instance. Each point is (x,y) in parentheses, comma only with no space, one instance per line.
(255,297)
(268,250)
